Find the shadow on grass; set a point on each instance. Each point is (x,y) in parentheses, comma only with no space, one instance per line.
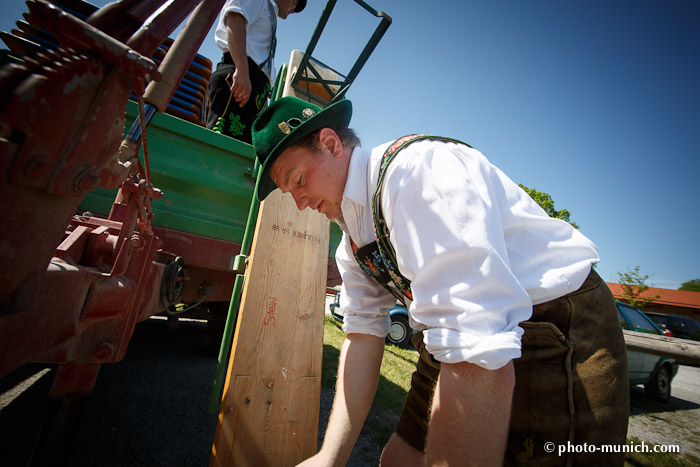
(392,349)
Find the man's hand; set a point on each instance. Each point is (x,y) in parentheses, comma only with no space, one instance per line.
(241,87)
(470,415)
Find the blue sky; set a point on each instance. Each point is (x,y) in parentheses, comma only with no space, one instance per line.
(596,103)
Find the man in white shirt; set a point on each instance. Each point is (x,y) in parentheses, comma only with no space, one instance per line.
(239,88)
(520,345)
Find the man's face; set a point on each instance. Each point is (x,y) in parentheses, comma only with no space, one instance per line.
(285,7)
(316,179)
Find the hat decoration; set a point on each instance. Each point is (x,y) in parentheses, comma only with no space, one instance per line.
(285,122)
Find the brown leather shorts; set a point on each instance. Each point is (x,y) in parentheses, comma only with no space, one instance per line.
(571,383)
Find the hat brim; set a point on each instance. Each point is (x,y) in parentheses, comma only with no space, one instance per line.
(338,114)
(300,6)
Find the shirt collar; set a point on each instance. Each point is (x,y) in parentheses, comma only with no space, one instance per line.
(356,184)
(355,197)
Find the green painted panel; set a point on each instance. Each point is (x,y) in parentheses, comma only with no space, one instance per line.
(206,179)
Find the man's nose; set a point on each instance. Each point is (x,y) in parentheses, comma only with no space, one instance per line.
(301,200)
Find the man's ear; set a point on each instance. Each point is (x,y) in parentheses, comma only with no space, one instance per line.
(329,139)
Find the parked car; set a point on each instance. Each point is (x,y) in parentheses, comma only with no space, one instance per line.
(677,326)
(400,331)
(654,372)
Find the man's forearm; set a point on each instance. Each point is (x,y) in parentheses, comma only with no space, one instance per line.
(358,374)
(470,415)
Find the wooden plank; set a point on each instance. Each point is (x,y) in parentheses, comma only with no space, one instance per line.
(682,350)
(271,399)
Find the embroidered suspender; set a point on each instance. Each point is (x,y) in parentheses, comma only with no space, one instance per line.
(378,259)
(273,42)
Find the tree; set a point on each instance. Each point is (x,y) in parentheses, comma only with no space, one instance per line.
(547,203)
(692,285)
(633,286)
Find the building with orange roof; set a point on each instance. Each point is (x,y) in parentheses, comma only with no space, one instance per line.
(672,302)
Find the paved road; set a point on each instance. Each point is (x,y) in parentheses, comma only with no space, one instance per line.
(686,384)
(149,410)
(674,423)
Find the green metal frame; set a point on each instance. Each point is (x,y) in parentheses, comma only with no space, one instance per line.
(308,64)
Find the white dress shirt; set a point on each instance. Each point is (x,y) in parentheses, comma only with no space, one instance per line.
(258,29)
(479,252)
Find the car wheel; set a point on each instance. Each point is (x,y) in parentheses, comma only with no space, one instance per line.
(399,332)
(659,387)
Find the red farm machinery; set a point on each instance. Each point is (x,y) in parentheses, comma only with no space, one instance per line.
(117,203)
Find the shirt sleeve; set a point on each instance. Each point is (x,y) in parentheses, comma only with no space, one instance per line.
(242,7)
(441,204)
(364,303)
(251,10)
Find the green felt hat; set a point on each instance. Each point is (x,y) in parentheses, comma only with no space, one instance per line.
(284,123)
(300,6)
